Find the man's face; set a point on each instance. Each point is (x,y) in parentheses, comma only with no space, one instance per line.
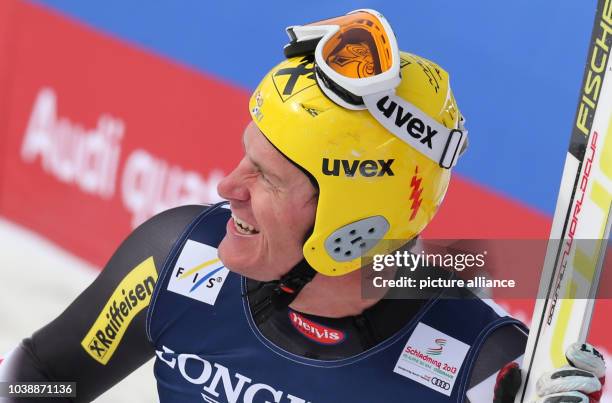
(273,207)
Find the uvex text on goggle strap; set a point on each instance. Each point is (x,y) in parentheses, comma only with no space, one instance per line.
(357,65)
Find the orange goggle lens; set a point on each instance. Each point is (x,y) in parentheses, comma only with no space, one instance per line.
(361,47)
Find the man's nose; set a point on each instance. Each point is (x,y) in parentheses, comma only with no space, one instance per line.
(234,186)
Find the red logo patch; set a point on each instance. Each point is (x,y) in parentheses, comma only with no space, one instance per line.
(314,331)
(415,196)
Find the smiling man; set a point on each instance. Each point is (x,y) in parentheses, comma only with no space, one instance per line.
(351,144)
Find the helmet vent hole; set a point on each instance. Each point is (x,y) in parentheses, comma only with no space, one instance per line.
(355,239)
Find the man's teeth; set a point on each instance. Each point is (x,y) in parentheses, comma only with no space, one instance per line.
(243,227)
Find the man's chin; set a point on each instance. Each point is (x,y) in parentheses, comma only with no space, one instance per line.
(234,260)
(252,265)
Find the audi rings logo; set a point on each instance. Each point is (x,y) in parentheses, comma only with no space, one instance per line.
(440,383)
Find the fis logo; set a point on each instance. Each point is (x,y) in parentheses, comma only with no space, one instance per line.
(367,168)
(131,296)
(415,127)
(198,273)
(437,350)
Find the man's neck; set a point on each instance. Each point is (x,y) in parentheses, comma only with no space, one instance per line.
(333,297)
(340,296)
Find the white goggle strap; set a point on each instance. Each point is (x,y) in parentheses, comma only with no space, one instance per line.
(416,128)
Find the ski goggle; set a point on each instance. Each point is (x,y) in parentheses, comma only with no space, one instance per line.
(355,55)
(357,66)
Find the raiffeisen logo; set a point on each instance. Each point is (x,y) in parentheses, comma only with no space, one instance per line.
(131,296)
(314,331)
(235,387)
(437,350)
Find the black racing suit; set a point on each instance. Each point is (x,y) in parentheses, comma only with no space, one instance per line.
(55,353)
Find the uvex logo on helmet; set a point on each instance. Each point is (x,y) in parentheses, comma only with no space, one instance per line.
(314,331)
(367,168)
(414,126)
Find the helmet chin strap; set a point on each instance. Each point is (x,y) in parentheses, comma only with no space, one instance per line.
(292,282)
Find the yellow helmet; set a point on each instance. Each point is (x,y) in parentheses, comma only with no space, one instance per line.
(372,185)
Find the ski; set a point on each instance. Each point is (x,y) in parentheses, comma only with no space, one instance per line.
(581,224)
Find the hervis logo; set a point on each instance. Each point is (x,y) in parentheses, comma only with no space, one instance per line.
(198,273)
(315,331)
